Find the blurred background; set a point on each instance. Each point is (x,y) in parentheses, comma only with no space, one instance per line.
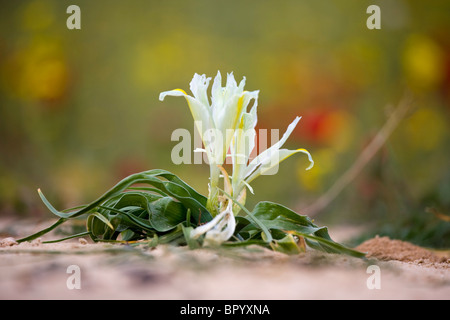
(79,109)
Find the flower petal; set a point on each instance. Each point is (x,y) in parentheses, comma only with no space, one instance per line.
(199,85)
(268,153)
(173,93)
(200,112)
(217,93)
(270,164)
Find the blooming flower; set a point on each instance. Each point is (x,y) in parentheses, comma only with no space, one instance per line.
(215,121)
(225,124)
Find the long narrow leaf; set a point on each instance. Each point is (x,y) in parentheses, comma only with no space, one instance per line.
(173,186)
(338,248)
(42,232)
(69,237)
(142,223)
(103,219)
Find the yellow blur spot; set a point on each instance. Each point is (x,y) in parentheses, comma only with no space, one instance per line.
(48,80)
(422,61)
(313,179)
(38,71)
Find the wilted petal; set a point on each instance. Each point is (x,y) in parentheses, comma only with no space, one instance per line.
(219,229)
(223,230)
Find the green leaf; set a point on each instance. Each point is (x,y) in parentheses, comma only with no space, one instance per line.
(103,219)
(172,185)
(331,246)
(277,217)
(95,227)
(192,243)
(286,245)
(245,243)
(266,210)
(172,236)
(69,237)
(129,218)
(162,212)
(165,214)
(128,235)
(162,182)
(51,208)
(42,232)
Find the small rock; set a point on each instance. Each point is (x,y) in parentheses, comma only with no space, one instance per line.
(82,241)
(36,242)
(8,242)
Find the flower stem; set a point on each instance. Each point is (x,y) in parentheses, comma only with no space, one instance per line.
(213,197)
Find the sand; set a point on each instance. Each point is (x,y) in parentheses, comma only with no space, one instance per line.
(386,249)
(111,271)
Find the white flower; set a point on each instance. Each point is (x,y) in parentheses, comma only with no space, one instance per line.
(218,118)
(215,121)
(226,124)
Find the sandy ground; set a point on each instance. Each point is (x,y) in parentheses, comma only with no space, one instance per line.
(107,271)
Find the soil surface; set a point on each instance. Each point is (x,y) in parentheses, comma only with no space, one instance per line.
(113,271)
